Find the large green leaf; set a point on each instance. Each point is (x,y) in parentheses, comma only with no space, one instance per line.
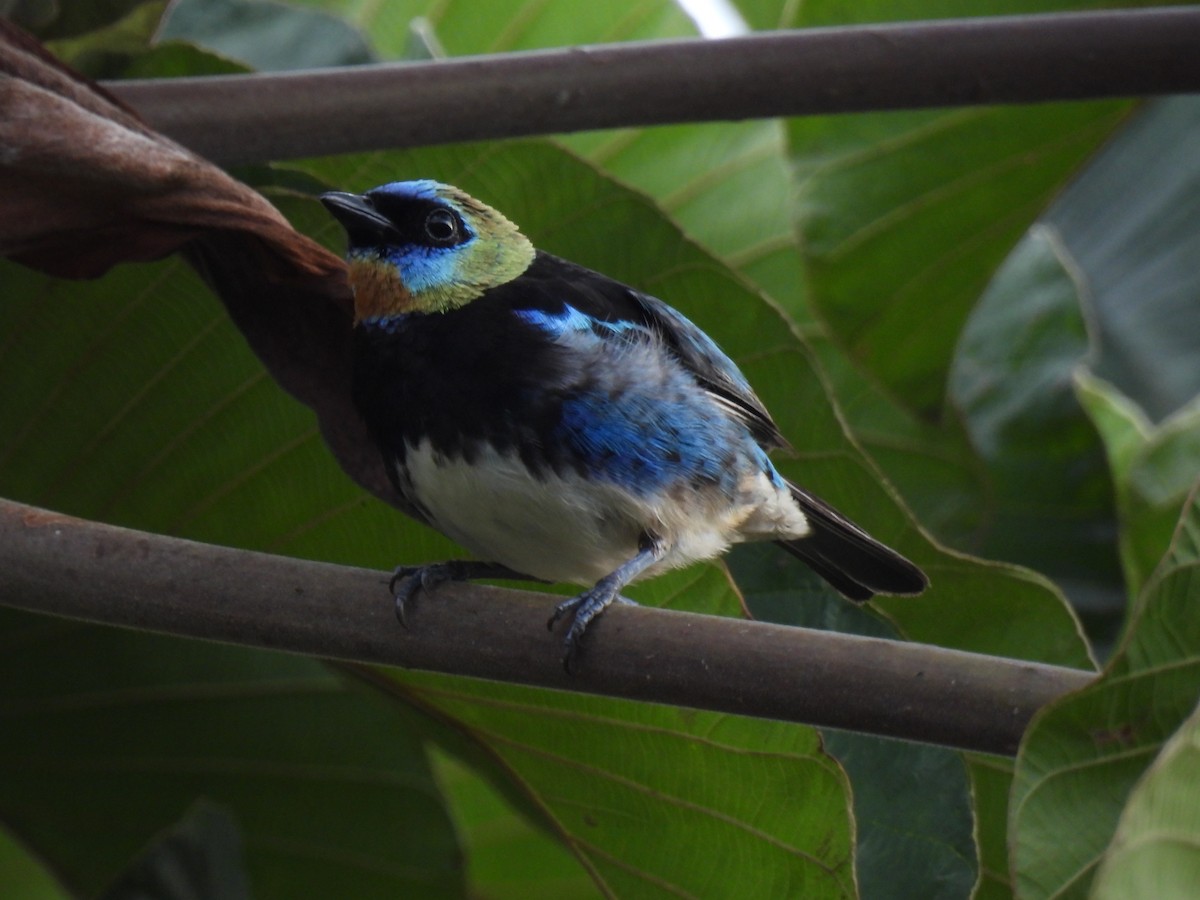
(1012,378)
(266,36)
(907,215)
(1132,225)
(508,857)
(1154,468)
(912,805)
(1156,850)
(1083,754)
(662,802)
(933,465)
(107,737)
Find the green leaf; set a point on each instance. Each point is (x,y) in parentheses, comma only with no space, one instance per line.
(197,858)
(991,783)
(912,810)
(913,817)
(1083,754)
(1153,468)
(24,875)
(463,27)
(1012,380)
(236,461)
(108,736)
(1156,850)
(267,35)
(176,59)
(659,801)
(907,215)
(933,466)
(71,19)
(1132,224)
(508,856)
(133,47)
(105,52)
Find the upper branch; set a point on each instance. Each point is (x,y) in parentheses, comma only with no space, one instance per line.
(1026,59)
(57,564)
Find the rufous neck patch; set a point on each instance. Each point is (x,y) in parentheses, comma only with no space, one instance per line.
(378,290)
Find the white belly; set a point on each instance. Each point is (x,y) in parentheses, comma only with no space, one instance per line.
(564,527)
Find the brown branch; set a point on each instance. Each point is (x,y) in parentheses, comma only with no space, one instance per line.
(56,564)
(1025,59)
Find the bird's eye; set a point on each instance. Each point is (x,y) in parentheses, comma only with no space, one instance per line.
(441,226)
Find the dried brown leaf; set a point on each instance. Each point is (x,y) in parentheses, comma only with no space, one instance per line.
(85,184)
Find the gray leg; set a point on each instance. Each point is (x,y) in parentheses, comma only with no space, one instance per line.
(600,596)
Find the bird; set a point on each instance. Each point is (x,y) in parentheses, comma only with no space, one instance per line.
(559,425)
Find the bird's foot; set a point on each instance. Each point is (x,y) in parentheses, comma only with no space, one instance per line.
(603,594)
(408,581)
(586,607)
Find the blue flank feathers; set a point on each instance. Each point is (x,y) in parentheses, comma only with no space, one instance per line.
(651,438)
(559,424)
(644,444)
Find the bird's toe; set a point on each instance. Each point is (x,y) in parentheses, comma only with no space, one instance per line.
(586,607)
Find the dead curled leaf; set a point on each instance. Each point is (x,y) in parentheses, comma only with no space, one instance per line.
(85,184)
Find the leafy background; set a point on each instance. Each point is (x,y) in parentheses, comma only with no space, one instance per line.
(977,327)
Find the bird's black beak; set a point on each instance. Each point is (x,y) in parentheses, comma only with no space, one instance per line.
(363,223)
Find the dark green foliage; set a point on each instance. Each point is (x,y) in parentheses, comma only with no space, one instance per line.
(876,279)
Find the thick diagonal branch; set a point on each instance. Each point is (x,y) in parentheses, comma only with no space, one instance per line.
(1026,59)
(57,564)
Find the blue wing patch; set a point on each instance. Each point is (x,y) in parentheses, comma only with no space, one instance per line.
(571,320)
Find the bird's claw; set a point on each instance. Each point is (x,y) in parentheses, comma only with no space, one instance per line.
(407,581)
(408,588)
(562,609)
(586,607)
(401,572)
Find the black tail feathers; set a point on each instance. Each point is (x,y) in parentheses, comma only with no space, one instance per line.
(852,561)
